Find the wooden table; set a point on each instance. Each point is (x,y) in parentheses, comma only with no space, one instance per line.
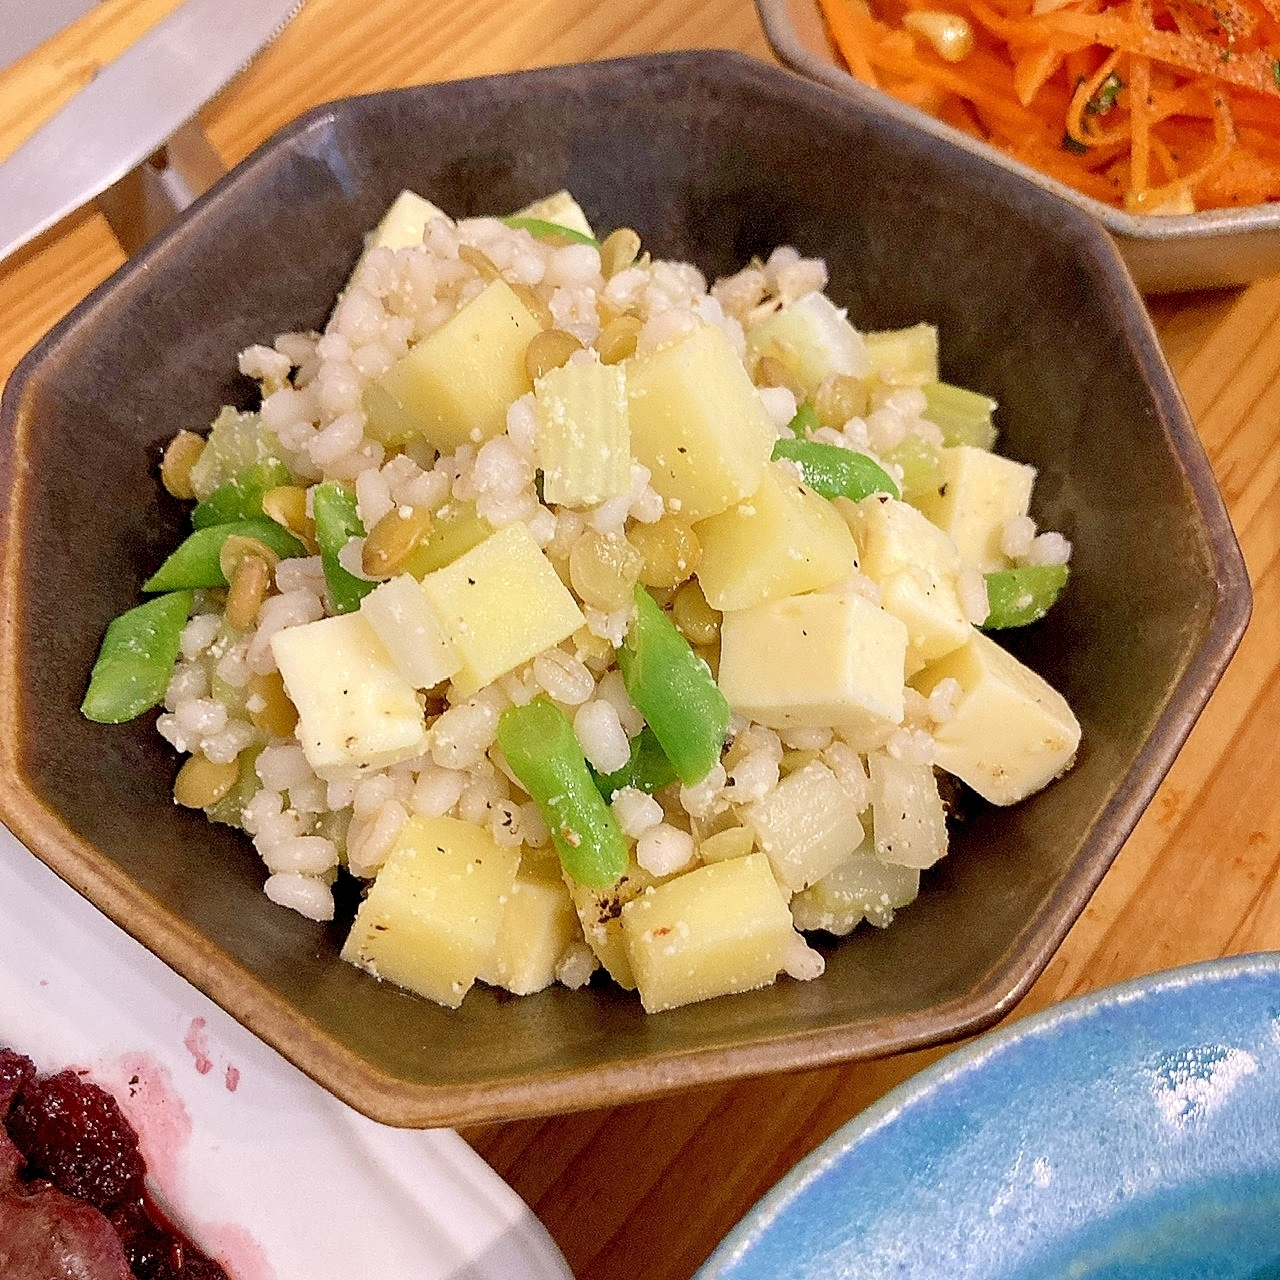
(648,1190)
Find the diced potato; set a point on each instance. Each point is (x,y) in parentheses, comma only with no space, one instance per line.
(726,843)
(813,339)
(1012,733)
(714,930)
(501,604)
(978,494)
(456,528)
(584,433)
(907,816)
(904,357)
(815,660)
(860,888)
(806,825)
(916,565)
(430,920)
(404,222)
(455,385)
(698,423)
(399,611)
(783,540)
(538,927)
(600,915)
(355,710)
(562,209)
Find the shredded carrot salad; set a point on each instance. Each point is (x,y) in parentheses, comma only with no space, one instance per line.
(1154,106)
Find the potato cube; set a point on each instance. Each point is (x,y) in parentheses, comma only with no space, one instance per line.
(501,603)
(806,825)
(904,357)
(783,540)
(539,926)
(355,710)
(813,339)
(1012,733)
(916,565)
(698,423)
(977,495)
(404,222)
(815,660)
(456,384)
(584,434)
(906,811)
(714,930)
(399,611)
(430,920)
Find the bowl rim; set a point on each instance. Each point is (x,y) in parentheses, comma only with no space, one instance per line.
(1154,228)
(393,1100)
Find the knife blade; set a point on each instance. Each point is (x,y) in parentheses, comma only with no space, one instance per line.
(129,110)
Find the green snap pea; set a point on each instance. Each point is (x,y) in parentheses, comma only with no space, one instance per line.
(337,522)
(1016,597)
(544,753)
(194,562)
(836,472)
(136,659)
(804,421)
(241,497)
(545,230)
(674,690)
(647,770)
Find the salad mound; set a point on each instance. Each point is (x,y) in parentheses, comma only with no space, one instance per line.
(591,617)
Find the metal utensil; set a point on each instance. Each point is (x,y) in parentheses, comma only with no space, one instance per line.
(131,109)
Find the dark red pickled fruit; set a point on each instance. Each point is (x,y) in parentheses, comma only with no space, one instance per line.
(16,1069)
(156,1249)
(74,1134)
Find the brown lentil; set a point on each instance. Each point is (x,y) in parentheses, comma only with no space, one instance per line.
(670,549)
(616,342)
(839,398)
(603,570)
(270,707)
(287,506)
(549,350)
(201,783)
(180,456)
(696,620)
(618,251)
(250,582)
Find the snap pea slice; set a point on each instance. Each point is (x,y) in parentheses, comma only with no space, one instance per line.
(333,506)
(1016,597)
(241,498)
(836,472)
(647,770)
(194,562)
(544,753)
(136,659)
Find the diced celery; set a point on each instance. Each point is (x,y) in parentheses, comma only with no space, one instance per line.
(964,417)
(456,529)
(921,470)
(584,433)
(235,441)
(904,357)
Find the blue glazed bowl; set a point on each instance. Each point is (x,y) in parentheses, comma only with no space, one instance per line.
(1130,1134)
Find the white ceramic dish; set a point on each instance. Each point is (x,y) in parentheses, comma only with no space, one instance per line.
(267,1172)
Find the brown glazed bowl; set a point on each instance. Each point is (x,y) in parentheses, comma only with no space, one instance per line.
(713,157)
(1165,253)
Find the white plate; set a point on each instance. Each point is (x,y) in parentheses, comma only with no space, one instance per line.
(266,1171)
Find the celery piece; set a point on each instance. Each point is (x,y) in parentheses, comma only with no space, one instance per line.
(552,231)
(674,690)
(836,472)
(904,357)
(241,497)
(1016,597)
(812,338)
(235,441)
(647,770)
(334,508)
(964,417)
(805,420)
(920,465)
(136,659)
(583,434)
(544,753)
(194,562)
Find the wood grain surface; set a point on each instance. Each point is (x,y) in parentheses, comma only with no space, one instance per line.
(648,1190)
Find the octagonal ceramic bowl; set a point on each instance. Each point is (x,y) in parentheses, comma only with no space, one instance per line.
(712,157)
(1211,248)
